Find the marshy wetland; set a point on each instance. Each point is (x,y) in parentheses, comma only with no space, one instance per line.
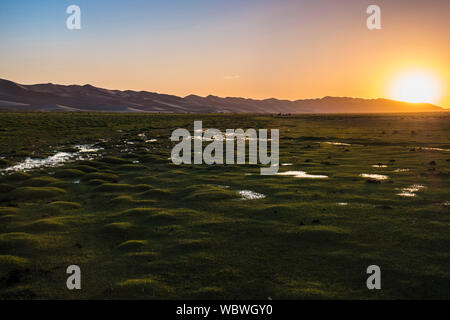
(98,190)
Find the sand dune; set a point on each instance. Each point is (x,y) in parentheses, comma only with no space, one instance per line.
(53,97)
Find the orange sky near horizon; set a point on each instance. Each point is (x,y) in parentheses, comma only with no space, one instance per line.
(256,49)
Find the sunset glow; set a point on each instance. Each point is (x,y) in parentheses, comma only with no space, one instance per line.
(286,49)
(416,86)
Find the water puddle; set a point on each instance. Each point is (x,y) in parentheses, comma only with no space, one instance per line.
(286,164)
(85,152)
(411,190)
(250,195)
(342,204)
(401,170)
(226,137)
(218,138)
(337,143)
(150,140)
(373,176)
(301,174)
(222,186)
(433,149)
(379,166)
(84,148)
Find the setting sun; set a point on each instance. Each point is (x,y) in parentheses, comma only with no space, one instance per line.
(416,86)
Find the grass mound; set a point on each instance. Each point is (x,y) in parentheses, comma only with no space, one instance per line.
(114,187)
(142,188)
(165,216)
(46,223)
(209,293)
(153,159)
(138,212)
(118,226)
(61,185)
(114,160)
(152,180)
(148,255)
(156,192)
(133,245)
(10,262)
(151,286)
(18,176)
(6,219)
(132,167)
(69,173)
(206,192)
(66,205)
(5,188)
(8,210)
(92,163)
(5,163)
(129,200)
(17,240)
(96,182)
(110,177)
(40,181)
(85,168)
(36,193)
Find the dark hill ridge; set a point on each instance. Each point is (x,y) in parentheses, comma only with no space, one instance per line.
(53,97)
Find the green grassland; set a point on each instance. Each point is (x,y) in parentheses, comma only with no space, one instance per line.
(141,227)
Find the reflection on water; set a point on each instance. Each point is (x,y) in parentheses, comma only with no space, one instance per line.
(401,170)
(374,176)
(250,195)
(433,149)
(337,143)
(227,137)
(411,190)
(85,152)
(301,174)
(83,148)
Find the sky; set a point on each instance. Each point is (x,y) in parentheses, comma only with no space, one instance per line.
(286,49)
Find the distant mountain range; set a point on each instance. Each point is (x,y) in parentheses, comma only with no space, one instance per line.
(54,97)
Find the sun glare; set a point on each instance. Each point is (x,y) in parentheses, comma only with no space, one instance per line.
(416,87)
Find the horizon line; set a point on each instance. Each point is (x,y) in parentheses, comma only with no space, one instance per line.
(228,97)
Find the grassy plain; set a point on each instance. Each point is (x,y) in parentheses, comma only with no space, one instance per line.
(141,227)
